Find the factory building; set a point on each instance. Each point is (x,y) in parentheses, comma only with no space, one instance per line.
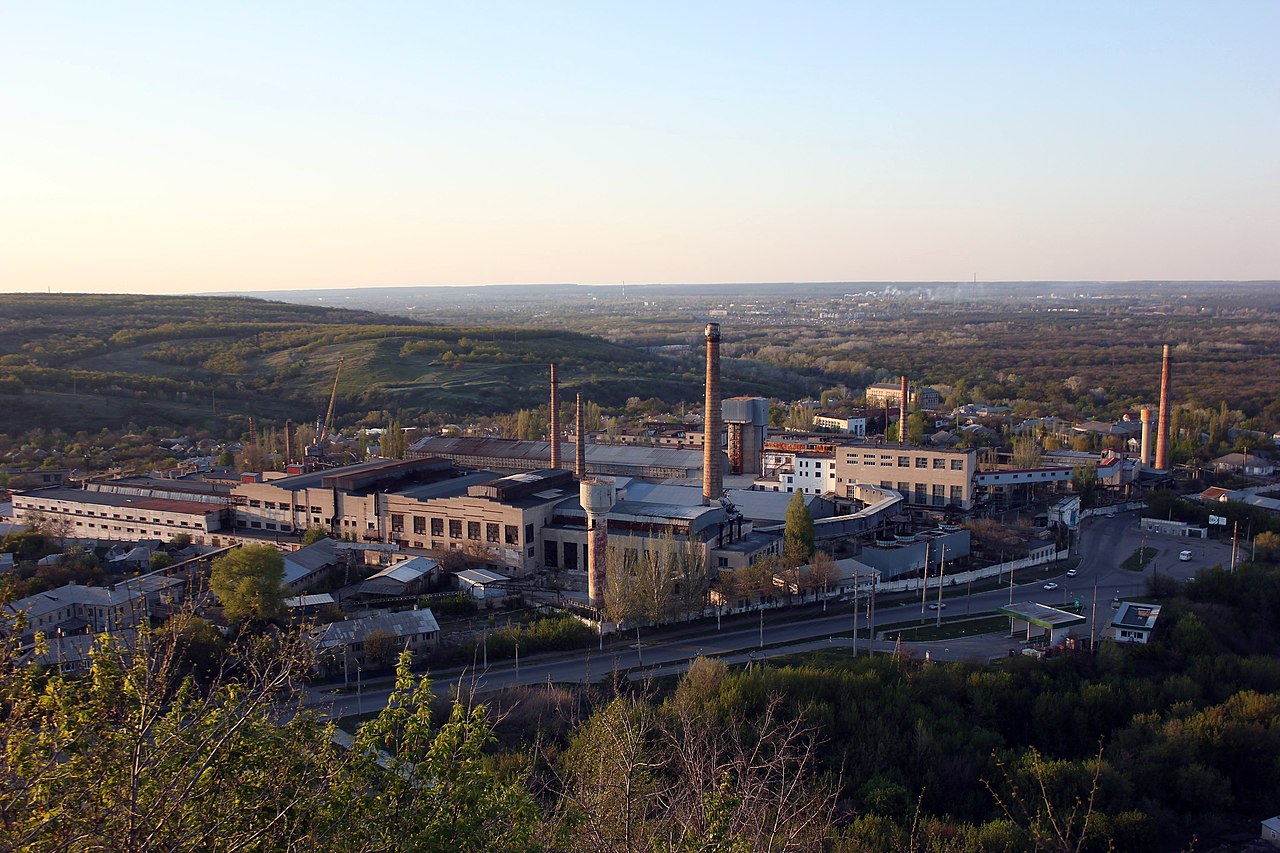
(925,477)
(128,517)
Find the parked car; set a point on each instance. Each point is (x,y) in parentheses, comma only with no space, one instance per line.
(1051,585)
(1185,556)
(1071,573)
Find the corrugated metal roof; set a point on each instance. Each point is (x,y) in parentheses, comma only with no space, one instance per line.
(400,624)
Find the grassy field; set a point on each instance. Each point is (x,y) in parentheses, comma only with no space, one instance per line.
(85,362)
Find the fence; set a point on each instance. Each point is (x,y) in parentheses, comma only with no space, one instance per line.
(1036,558)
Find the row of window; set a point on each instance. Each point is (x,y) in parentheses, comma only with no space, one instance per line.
(888,459)
(493,532)
(273,505)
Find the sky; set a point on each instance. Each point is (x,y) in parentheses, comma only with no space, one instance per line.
(192,147)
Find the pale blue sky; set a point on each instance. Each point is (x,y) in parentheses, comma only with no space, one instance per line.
(161,147)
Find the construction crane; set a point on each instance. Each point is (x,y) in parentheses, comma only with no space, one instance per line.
(322,434)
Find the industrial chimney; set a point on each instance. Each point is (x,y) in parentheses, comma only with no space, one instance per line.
(597,495)
(902,413)
(554,426)
(1162,424)
(1145,458)
(712,421)
(580,443)
(288,442)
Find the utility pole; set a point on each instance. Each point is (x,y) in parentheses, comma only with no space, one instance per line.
(1235,544)
(1093,618)
(924,583)
(871,618)
(855,613)
(942,573)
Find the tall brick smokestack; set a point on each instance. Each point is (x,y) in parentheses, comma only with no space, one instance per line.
(902,413)
(580,443)
(1145,458)
(1163,437)
(554,426)
(712,420)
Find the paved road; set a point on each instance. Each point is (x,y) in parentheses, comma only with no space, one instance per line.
(1102,544)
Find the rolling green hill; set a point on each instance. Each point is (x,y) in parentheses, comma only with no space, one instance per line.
(84,362)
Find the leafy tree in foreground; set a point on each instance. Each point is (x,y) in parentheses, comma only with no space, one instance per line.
(249,583)
(137,756)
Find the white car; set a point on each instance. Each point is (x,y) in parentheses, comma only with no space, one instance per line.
(1185,556)
(1071,573)
(1051,585)
(937,606)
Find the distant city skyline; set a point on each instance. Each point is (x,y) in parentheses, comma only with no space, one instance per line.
(157,148)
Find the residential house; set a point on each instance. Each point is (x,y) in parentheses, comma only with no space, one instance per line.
(342,644)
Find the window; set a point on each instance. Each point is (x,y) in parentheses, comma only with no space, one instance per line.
(455,528)
(549,552)
(419,525)
(268,504)
(528,533)
(957,494)
(922,462)
(904,461)
(490,532)
(315,510)
(957,464)
(473,530)
(255,503)
(905,488)
(939,463)
(511,534)
(437,527)
(397,522)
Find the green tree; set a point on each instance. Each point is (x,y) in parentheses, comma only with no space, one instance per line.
(1084,482)
(160,560)
(1026,452)
(226,459)
(249,583)
(313,534)
(798,534)
(179,541)
(412,787)
(1266,547)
